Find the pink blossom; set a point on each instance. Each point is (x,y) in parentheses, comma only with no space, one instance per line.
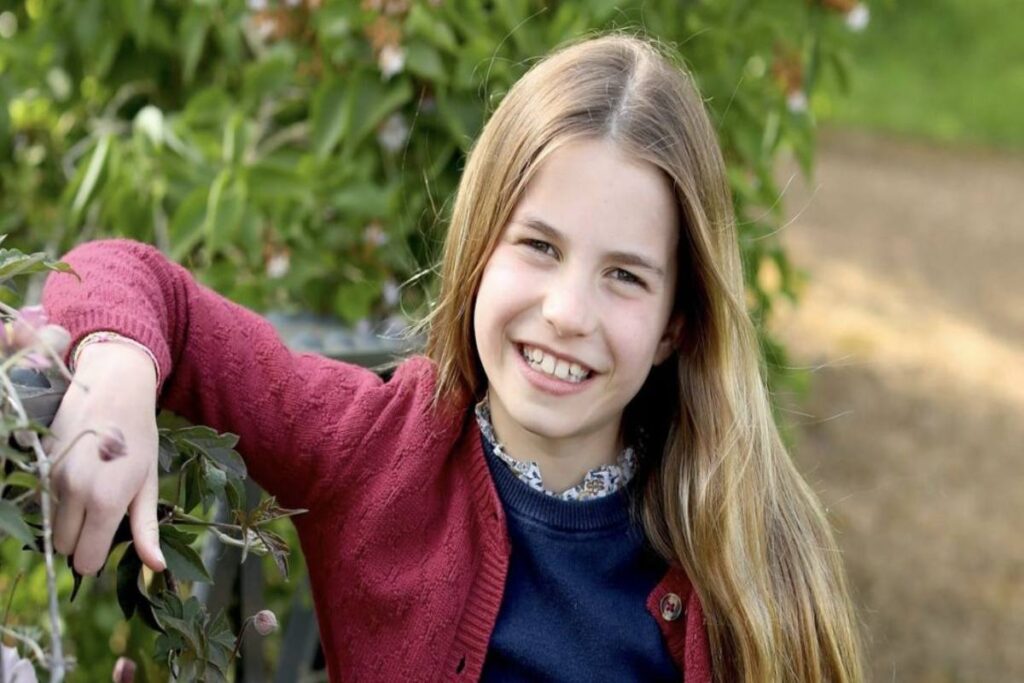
(124,671)
(20,332)
(16,669)
(265,622)
(30,333)
(55,337)
(112,445)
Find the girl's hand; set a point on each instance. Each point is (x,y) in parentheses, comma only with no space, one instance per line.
(93,492)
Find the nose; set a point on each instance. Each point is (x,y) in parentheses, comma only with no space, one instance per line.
(568,305)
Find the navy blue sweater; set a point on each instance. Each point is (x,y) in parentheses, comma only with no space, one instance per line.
(578,580)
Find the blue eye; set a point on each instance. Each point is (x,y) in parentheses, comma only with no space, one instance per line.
(627,277)
(541,246)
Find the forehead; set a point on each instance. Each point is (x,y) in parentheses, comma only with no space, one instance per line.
(593,191)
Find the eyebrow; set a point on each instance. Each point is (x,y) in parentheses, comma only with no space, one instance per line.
(625,257)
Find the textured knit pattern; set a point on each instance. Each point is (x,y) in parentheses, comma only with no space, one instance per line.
(405,539)
(597,482)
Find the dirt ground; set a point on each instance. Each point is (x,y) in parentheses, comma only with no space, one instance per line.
(913,322)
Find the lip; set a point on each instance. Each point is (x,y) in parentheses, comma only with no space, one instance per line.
(547,383)
(557,354)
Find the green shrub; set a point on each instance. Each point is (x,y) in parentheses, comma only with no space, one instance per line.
(304,156)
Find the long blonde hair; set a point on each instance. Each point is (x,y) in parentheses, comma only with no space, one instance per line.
(724,499)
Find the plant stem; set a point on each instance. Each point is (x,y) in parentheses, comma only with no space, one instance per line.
(60,456)
(57,670)
(10,599)
(32,645)
(238,641)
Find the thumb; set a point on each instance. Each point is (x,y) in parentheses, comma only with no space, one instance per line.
(145,530)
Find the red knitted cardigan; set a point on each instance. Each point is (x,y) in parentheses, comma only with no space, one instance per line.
(405,538)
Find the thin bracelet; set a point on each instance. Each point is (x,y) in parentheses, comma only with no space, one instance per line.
(110,336)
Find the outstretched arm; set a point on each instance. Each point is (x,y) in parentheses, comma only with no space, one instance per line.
(301,418)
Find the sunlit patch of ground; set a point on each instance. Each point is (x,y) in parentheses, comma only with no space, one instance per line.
(913,432)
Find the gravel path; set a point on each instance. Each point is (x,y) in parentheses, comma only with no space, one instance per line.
(913,320)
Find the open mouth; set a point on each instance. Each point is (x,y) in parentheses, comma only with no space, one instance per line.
(550,364)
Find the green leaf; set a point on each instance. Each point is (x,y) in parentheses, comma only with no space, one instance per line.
(268,511)
(421,22)
(194,27)
(92,175)
(217,447)
(225,206)
(168,451)
(21,480)
(354,300)
(192,475)
(128,581)
(183,628)
(235,492)
(13,525)
(179,535)
(461,115)
(214,481)
(278,549)
(187,224)
(424,60)
(364,200)
(13,262)
(268,76)
(208,107)
(331,114)
(273,179)
(183,562)
(374,102)
(136,15)
(235,139)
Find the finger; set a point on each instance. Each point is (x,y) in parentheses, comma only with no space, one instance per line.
(68,516)
(94,542)
(145,530)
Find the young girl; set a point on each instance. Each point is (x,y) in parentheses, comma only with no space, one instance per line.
(580,480)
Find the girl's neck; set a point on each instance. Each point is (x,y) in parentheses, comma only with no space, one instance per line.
(563,462)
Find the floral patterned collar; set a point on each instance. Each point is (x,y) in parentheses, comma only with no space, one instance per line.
(598,482)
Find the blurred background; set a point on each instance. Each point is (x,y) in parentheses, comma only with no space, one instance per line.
(910,324)
(300,157)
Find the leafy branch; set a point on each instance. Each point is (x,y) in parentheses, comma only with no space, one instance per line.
(194,644)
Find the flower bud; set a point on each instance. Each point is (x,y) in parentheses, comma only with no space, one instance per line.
(16,669)
(56,338)
(265,622)
(124,671)
(33,316)
(35,361)
(112,445)
(24,438)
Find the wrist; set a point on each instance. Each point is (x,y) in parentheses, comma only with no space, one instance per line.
(125,358)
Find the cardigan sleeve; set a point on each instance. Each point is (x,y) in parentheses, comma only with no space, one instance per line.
(301,418)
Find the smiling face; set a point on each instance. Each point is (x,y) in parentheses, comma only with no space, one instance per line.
(574,305)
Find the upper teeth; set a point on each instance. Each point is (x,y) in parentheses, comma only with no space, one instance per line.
(551,365)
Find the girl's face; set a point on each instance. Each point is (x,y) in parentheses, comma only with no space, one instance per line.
(574,304)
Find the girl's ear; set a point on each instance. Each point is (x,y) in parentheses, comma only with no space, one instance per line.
(669,341)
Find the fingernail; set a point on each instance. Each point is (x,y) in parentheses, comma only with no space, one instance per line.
(160,555)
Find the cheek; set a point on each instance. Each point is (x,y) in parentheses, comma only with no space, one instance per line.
(497,300)
(633,333)
(504,287)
